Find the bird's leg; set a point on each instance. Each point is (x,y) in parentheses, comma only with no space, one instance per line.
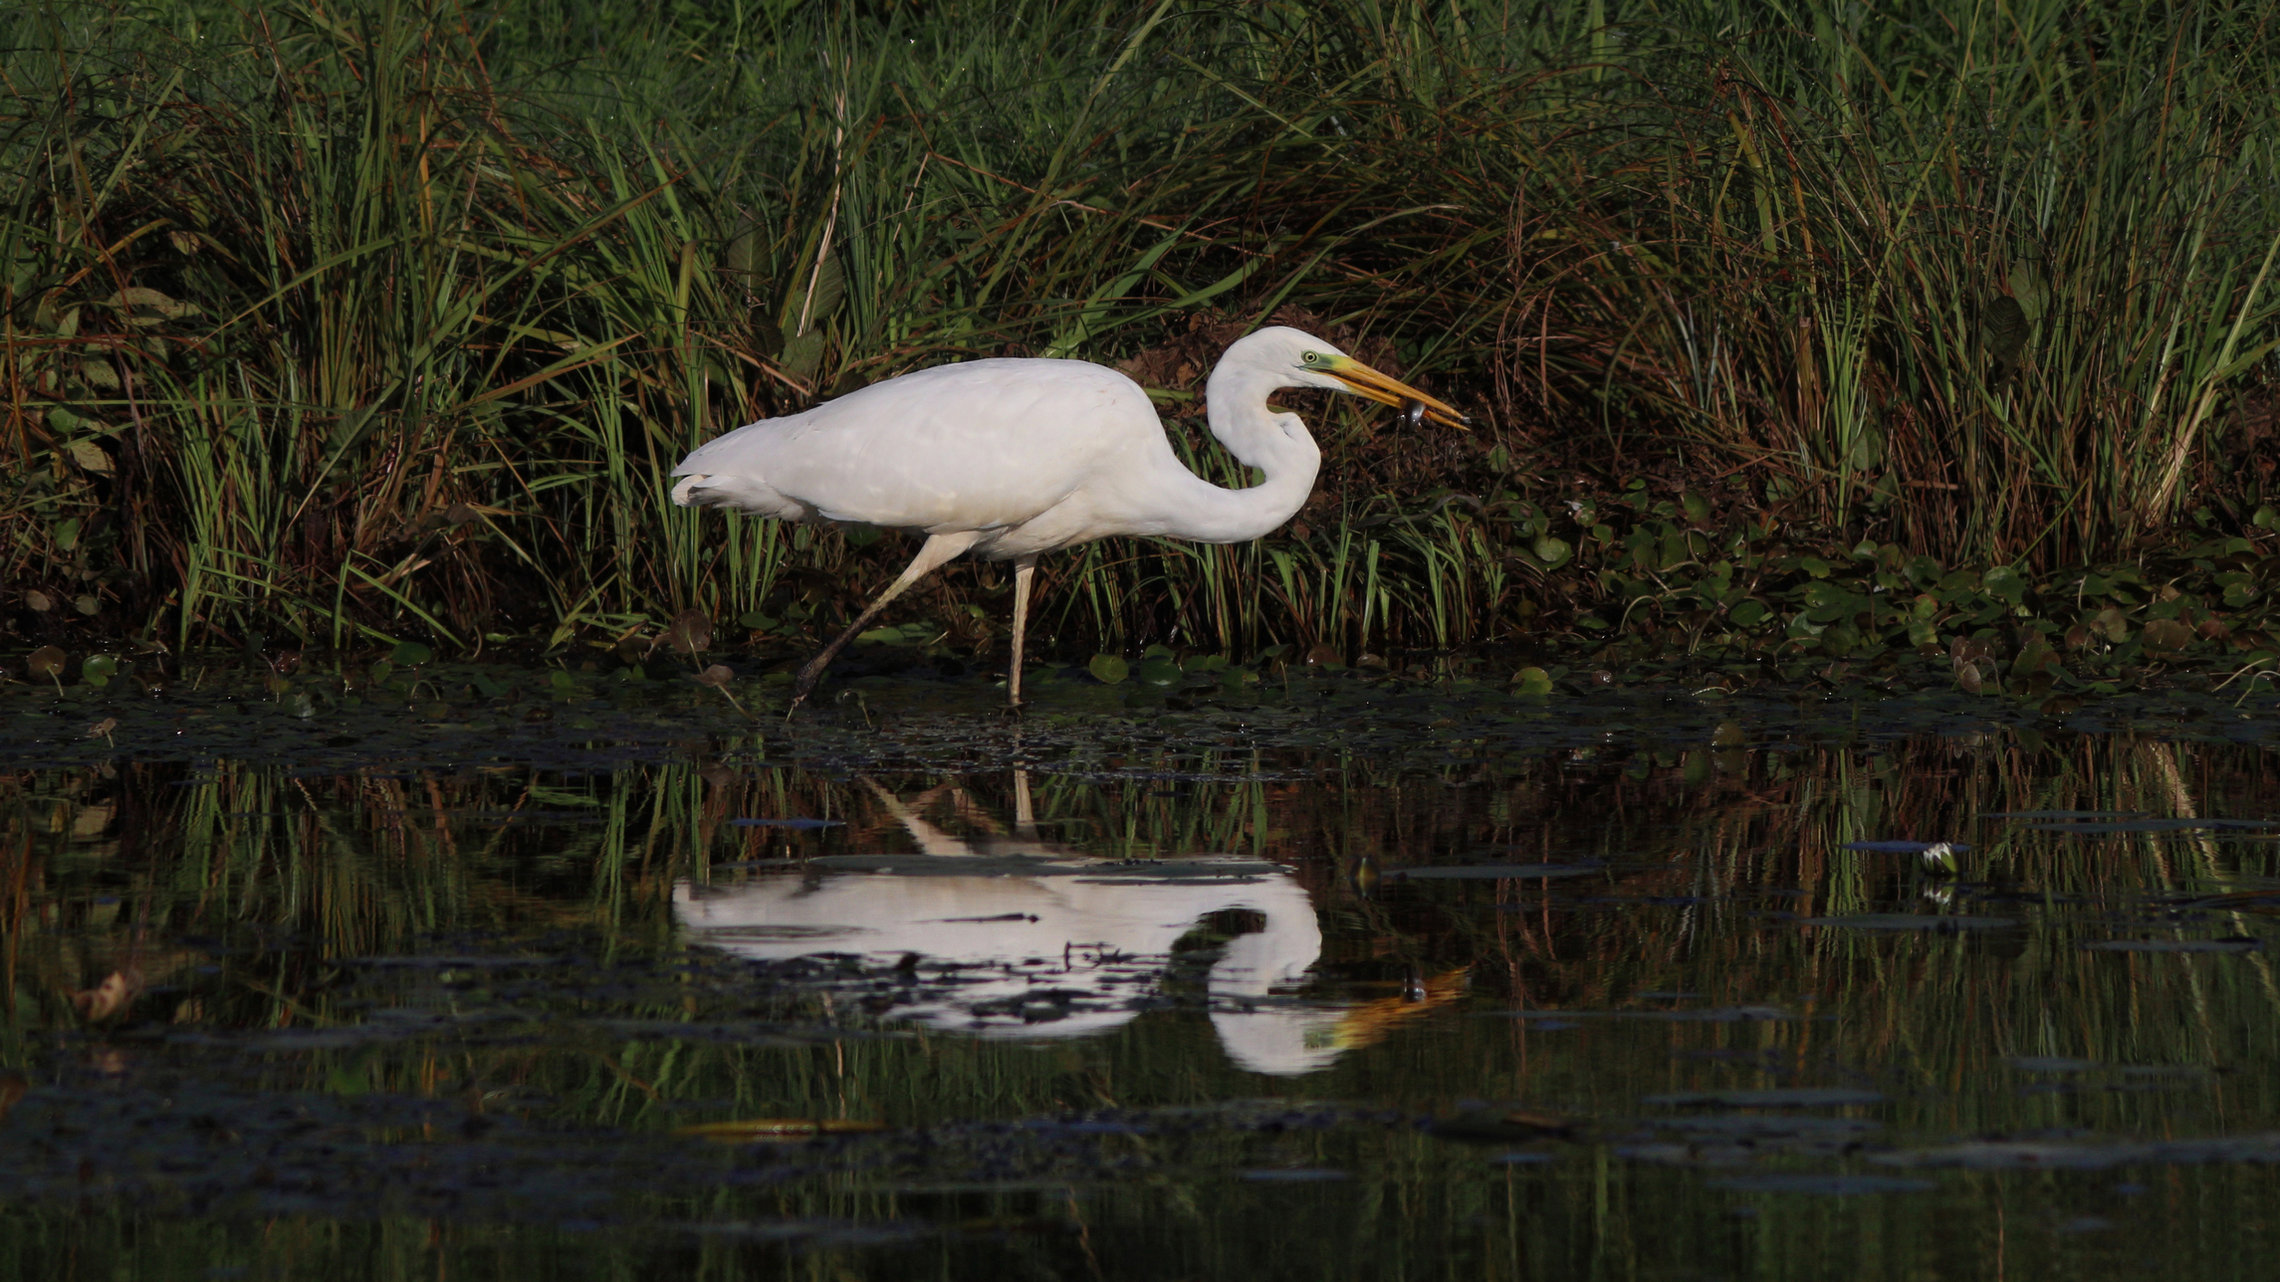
(939,548)
(1024,814)
(1023,570)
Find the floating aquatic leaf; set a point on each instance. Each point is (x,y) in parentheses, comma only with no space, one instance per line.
(1531,681)
(98,669)
(1108,669)
(47,661)
(411,654)
(1157,672)
(2166,635)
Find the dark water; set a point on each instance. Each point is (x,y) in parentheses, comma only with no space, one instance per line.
(1337,979)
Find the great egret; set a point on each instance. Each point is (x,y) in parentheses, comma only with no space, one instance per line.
(1009,459)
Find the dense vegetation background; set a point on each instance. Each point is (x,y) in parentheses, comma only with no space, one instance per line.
(1829,329)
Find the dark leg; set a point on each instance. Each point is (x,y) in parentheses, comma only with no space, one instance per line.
(939,548)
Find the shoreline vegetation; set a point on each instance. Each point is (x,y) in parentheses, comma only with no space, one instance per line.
(1819,338)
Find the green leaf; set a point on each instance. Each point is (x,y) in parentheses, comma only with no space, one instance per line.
(47,661)
(1532,681)
(98,669)
(411,654)
(1108,669)
(2166,634)
(1159,672)
(2005,583)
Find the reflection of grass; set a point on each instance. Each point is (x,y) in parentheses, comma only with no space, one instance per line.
(284,882)
(386,320)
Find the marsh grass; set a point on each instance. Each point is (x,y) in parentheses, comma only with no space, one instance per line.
(326,324)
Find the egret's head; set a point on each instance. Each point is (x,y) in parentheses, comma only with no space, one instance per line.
(1301,360)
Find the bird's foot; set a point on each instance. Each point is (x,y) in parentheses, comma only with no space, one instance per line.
(802,687)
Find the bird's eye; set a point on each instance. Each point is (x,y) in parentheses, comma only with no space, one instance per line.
(1309,357)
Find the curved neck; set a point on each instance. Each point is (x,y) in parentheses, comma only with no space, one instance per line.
(1275,443)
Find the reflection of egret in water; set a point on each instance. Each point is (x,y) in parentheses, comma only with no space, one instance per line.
(1022,939)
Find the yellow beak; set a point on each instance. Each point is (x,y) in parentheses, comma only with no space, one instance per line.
(1387,390)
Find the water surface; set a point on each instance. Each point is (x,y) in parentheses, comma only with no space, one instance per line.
(1341,979)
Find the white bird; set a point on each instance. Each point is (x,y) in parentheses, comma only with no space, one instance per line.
(1009,459)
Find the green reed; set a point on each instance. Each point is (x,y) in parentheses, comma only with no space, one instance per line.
(387,320)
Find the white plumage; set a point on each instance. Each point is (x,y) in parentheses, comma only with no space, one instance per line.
(1008,459)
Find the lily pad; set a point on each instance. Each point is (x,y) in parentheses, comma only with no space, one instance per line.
(1157,672)
(47,661)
